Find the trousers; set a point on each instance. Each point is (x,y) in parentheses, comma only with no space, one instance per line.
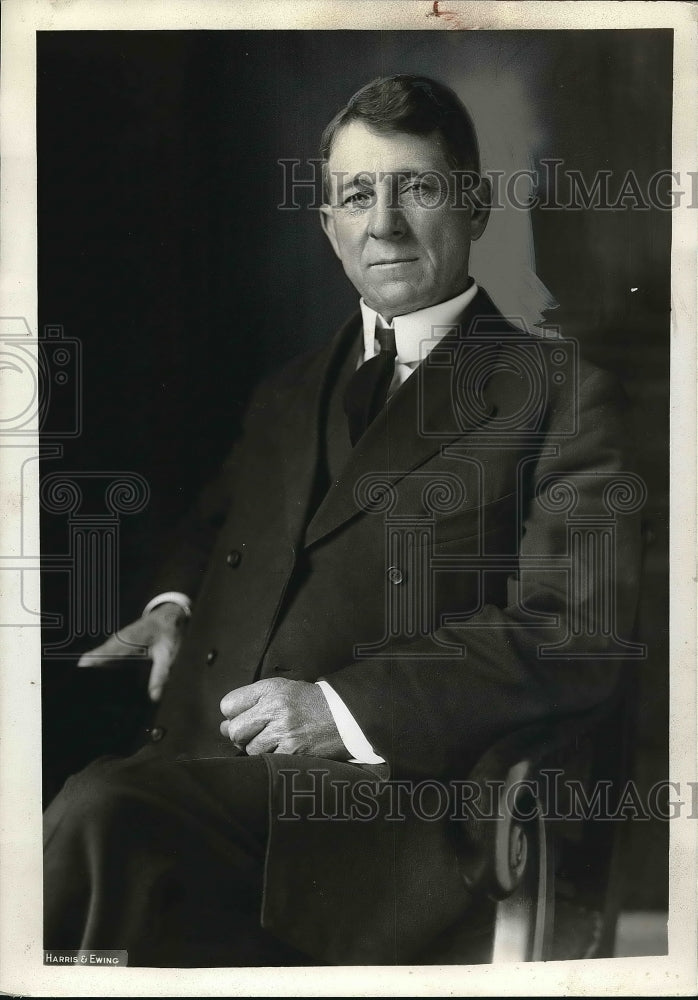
(163,858)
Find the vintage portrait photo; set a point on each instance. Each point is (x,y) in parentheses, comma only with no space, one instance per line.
(352,404)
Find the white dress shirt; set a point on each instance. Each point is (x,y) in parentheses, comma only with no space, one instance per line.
(416,334)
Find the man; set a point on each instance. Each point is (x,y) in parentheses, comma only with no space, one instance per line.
(375,588)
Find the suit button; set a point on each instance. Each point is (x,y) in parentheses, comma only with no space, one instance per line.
(234,558)
(211,656)
(395,575)
(156,734)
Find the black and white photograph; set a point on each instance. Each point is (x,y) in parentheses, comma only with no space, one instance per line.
(350,440)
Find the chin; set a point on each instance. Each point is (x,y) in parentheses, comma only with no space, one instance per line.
(397,302)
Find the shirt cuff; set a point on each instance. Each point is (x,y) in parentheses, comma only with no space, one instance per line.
(349,730)
(170,597)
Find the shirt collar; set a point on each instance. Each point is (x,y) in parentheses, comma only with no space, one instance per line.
(417,333)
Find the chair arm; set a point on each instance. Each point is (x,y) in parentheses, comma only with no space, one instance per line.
(497,843)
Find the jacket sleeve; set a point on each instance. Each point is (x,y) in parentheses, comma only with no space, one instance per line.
(191,542)
(434,717)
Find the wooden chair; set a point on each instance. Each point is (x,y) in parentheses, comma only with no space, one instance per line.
(551,875)
(552,878)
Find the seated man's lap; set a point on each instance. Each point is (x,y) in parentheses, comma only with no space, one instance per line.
(160,856)
(221,792)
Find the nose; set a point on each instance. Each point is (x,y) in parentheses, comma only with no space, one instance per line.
(386,219)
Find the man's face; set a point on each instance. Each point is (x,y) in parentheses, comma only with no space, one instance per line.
(391,219)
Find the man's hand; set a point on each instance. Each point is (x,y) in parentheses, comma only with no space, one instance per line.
(278,715)
(160,632)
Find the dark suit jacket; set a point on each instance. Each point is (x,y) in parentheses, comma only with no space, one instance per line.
(452,584)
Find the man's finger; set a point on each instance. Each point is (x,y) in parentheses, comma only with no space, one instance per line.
(113,649)
(245,727)
(241,699)
(162,653)
(224,730)
(264,743)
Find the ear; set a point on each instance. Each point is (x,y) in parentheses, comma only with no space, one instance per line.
(481,200)
(327,221)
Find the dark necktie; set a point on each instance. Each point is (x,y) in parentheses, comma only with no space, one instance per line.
(368,387)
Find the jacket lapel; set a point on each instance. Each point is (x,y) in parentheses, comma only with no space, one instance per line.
(426,413)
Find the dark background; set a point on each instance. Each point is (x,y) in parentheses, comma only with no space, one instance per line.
(162,250)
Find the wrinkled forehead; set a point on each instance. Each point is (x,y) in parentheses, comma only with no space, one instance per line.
(359,149)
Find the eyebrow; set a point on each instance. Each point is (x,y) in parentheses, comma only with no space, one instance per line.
(359,178)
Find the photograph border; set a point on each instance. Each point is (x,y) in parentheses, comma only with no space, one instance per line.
(21,952)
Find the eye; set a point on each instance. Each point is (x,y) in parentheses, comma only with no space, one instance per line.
(421,191)
(358,199)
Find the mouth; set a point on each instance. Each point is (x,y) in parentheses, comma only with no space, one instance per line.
(396,262)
